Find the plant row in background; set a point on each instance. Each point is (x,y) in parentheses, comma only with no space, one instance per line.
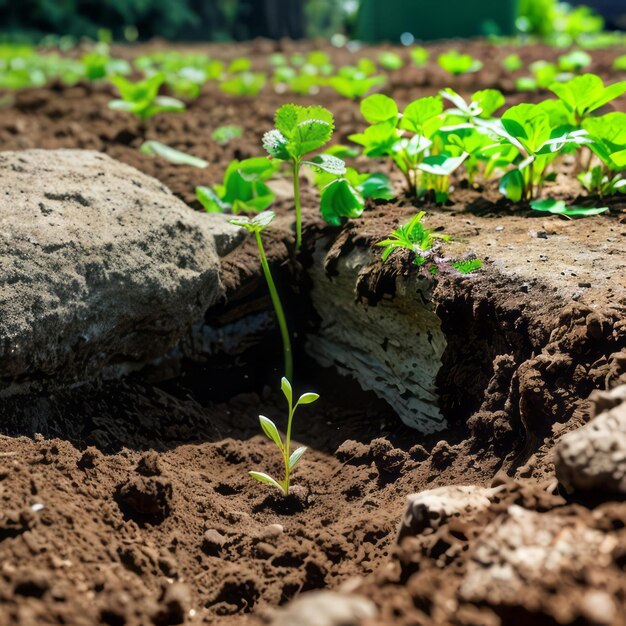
(184,74)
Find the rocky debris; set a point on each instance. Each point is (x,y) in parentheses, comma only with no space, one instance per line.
(389,461)
(103,268)
(523,555)
(593,457)
(325,608)
(429,510)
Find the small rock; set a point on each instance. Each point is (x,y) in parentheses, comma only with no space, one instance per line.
(149,464)
(598,607)
(174,605)
(353,452)
(212,542)
(443,454)
(418,453)
(264,550)
(325,608)
(147,498)
(593,458)
(271,532)
(433,508)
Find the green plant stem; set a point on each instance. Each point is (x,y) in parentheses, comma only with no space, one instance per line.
(287,451)
(278,308)
(296,196)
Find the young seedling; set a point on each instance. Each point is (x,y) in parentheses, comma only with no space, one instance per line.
(243,190)
(298,132)
(255,226)
(457,64)
(177,157)
(142,99)
(354,83)
(584,94)
(390,60)
(246,84)
(559,207)
(290,459)
(608,135)
(528,128)
(415,237)
(225,134)
(425,245)
(512,63)
(419,56)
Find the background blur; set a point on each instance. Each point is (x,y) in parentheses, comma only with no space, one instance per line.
(369,20)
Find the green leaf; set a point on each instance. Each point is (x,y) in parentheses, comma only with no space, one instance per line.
(269,428)
(308,398)
(466,266)
(559,207)
(512,185)
(268,480)
(376,186)
(379,108)
(328,163)
(378,140)
(286,119)
(276,145)
(296,455)
(419,55)
(419,112)
(489,100)
(172,155)
(338,200)
(224,134)
(529,124)
(285,386)
(310,135)
(210,200)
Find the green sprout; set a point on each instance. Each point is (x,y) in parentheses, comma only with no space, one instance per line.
(142,99)
(247,84)
(559,207)
(298,132)
(574,61)
(225,134)
(255,226)
(619,63)
(415,237)
(425,244)
(457,64)
(390,60)
(354,83)
(419,55)
(512,63)
(290,459)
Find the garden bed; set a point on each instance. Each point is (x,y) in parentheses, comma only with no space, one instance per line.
(113,490)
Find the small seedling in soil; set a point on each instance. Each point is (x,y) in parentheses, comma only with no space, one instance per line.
(528,128)
(419,56)
(255,226)
(248,84)
(457,64)
(390,60)
(290,459)
(225,134)
(298,132)
(424,243)
(142,99)
(353,83)
(512,63)
(608,135)
(243,190)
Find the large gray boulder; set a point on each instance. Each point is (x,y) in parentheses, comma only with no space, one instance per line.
(102,268)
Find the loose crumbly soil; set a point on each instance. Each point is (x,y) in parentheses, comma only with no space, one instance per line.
(128,502)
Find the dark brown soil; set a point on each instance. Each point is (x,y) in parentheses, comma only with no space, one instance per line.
(128,503)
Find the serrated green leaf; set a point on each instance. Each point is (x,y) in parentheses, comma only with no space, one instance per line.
(309,135)
(286,119)
(296,455)
(269,428)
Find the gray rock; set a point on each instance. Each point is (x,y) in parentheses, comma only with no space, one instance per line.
(102,268)
(433,508)
(593,458)
(325,608)
(525,549)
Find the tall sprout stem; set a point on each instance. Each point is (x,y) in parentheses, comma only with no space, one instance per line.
(296,196)
(278,308)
